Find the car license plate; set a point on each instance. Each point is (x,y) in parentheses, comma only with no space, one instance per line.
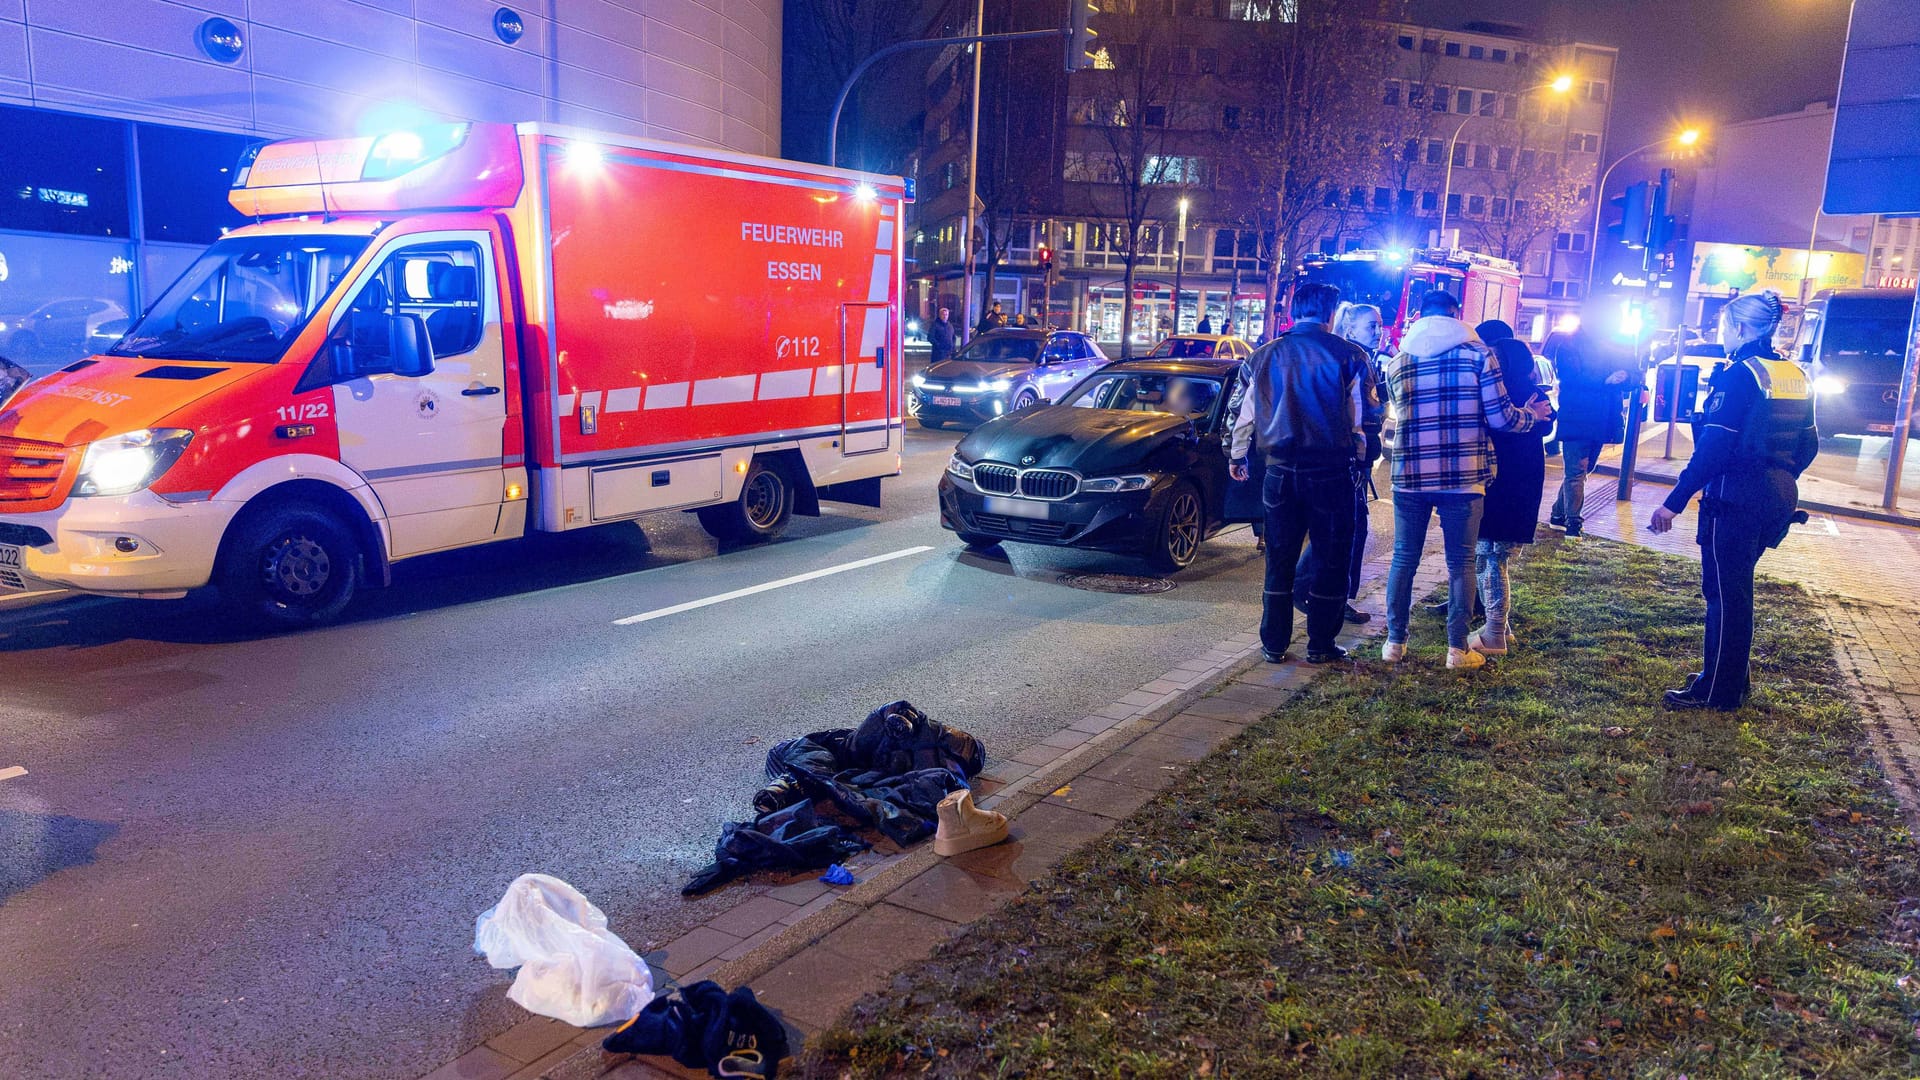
(10,564)
(1880,429)
(951,402)
(1025,508)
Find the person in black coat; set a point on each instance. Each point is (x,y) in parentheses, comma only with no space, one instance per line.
(1510,514)
(940,337)
(1593,397)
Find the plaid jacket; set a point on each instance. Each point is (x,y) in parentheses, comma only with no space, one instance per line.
(1447,394)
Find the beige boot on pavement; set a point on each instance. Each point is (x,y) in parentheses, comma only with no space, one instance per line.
(964,827)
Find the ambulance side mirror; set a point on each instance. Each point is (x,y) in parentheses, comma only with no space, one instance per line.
(381,343)
(411,349)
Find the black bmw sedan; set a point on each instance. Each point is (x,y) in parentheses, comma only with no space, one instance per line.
(1131,460)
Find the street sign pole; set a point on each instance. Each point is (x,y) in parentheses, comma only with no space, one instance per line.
(1903,411)
(1630,452)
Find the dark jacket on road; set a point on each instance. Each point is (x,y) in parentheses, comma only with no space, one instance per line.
(1751,446)
(1512,509)
(1311,395)
(940,336)
(1591,408)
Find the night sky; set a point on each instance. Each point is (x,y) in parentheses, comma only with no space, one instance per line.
(1701,61)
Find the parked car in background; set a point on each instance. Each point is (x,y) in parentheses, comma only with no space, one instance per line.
(1852,345)
(58,329)
(1201,347)
(1130,460)
(1003,371)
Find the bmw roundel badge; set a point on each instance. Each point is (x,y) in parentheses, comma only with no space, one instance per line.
(1028,459)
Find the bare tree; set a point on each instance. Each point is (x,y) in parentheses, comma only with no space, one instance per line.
(1137,174)
(1314,133)
(1530,191)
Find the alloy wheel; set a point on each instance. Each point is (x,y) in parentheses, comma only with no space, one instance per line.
(1183,528)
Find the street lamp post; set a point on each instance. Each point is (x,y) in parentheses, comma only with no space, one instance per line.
(1559,85)
(1180,261)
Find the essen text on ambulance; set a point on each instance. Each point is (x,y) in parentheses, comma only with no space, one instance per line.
(436,338)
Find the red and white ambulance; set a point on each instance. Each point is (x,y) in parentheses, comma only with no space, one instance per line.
(443,337)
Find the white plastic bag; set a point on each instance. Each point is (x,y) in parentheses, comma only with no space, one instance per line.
(572,967)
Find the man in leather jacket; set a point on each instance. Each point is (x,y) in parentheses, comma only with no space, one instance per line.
(1308,395)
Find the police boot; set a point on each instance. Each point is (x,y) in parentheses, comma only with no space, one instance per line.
(964,827)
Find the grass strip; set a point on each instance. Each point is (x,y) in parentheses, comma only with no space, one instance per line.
(1531,870)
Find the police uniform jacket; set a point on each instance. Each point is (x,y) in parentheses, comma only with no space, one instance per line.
(1750,446)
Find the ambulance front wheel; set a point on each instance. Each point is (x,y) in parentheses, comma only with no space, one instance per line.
(290,566)
(761,512)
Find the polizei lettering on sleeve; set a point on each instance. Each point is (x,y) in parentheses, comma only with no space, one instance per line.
(759,232)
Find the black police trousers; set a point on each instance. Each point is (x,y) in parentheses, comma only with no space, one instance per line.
(1730,547)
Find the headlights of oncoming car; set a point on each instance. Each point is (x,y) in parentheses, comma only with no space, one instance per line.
(919,379)
(128,463)
(1829,384)
(986,386)
(1139,482)
(959,470)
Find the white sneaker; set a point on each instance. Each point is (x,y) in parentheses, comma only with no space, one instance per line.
(1464,659)
(1393,651)
(1476,643)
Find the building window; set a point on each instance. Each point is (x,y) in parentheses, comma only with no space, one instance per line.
(1520,59)
(1392,94)
(948,173)
(1209,61)
(1329,245)
(1406,42)
(1382,199)
(1170,169)
(1499,208)
(1509,106)
(1596,91)
(1519,208)
(1463,101)
(1564,290)
(1548,163)
(1154,115)
(1584,142)
(1453,206)
(1441,96)
(1487,99)
(1411,151)
(1482,156)
(1230,117)
(1428,45)
(1476,206)
(1258,10)
(63,173)
(1476,52)
(1528,159)
(184,179)
(1460,155)
(1503,158)
(1429,202)
(1568,241)
(1586,192)
(1453,48)
(1416,96)
(1404,201)
(1436,152)
(1357,198)
(1499,56)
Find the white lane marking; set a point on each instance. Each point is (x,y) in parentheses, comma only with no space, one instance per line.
(812,575)
(1832,529)
(12,771)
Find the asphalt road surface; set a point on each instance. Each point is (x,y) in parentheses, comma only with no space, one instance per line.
(239,856)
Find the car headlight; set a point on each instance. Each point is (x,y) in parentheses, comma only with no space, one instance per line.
(959,469)
(1829,384)
(1138,482)
(985,386)
(919,380)
(128,463)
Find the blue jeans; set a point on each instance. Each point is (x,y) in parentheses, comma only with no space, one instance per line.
(1490,566)
(1579,457)
(1459,528)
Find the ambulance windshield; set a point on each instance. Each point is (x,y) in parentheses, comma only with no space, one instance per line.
(245,300)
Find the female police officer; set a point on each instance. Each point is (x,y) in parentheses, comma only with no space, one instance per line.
(1755,440)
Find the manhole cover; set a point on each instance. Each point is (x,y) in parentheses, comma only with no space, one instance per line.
(1117,583)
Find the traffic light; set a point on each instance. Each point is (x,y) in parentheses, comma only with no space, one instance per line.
(1080,34)
(1634,214)
(1046,259)
(1659,221)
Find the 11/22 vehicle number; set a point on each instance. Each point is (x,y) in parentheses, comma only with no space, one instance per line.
(312,410)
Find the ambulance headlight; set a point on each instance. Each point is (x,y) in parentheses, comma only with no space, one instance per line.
(128,463)
(1829,384)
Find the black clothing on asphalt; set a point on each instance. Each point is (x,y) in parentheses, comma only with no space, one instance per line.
(1511,510)
(701,1026)
(1305,504)
(940,337)
(890,772)
(1751,444)
(792,838)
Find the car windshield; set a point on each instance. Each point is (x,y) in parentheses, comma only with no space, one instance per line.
(1000,349)
(1192,396)
(245,300)
(1183,348)
(1867,327)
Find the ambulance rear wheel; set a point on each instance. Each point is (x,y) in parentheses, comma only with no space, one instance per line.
(762,511)
(290,566)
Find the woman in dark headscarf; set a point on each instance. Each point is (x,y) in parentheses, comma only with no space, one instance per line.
(1511,513)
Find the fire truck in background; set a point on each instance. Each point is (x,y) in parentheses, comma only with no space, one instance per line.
(1394,281)
(443,337)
